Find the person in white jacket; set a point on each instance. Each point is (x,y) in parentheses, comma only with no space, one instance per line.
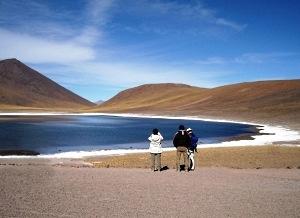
(155,149)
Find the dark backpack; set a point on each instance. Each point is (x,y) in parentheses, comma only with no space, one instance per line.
(194,141)
(182,139)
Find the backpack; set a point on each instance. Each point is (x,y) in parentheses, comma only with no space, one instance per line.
(194,141)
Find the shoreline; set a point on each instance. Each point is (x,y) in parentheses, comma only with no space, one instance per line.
(243,157)
(255,157)
(267,134)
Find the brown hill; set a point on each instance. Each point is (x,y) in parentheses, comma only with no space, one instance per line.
(23,87)
(150,96)
(255,101)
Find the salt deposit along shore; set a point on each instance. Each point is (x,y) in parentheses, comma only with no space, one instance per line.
(268,135)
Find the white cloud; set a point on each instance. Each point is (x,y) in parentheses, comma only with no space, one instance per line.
(45,39)
(248,58)
(39,50)
(195,12)
(89,36)
(126,74)
(262,57)
(211,60)
(38,17)
(228,23)
(97,10)
(97,14)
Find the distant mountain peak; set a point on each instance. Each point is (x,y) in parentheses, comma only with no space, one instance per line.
(99,102)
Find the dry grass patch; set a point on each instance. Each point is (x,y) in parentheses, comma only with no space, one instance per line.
(236,157)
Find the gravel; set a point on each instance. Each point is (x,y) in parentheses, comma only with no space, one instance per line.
(44,190)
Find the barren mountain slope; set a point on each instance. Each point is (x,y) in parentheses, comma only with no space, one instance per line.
(257,100)
(151,97)
(21,86)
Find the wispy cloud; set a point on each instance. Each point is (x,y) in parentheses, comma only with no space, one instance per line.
(38,50)
(248,58)
(97,15)
(38,18)
(123,43)
(97,11)
(263,57)
(48,37)
(234,25)
(129,74)
(188,17)
(200,12)
(58,35)
(211,60)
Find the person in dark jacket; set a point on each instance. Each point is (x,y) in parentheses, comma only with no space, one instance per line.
(181,141)
(192,148)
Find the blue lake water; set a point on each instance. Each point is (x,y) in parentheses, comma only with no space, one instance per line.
(48,135)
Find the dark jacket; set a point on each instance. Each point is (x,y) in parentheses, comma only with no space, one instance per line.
(194,141)
(182,139)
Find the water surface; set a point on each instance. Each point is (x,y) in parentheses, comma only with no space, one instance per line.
(48,135)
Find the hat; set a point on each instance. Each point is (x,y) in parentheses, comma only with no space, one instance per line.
(189,130)
(155,131)
(181,127)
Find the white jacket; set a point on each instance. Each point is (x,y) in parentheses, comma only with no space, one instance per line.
(155,143)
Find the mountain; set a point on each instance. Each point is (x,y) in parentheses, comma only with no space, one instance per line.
(149,97)
(99,102)
(21,86)
(24,88)
(255,101)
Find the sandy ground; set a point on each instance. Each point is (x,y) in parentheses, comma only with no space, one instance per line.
(47,189)
(244,157)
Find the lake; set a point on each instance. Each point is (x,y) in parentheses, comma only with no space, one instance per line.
(55,134)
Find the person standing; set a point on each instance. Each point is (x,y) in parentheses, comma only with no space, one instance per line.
(192,148)
(155,149)
(181,141)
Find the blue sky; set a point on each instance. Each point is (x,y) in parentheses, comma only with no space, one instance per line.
(98,48)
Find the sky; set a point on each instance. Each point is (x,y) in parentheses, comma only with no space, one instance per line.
(97,48)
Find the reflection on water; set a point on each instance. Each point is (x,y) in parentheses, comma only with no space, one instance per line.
(74,133)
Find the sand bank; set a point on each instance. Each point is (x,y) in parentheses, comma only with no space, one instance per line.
(247,157)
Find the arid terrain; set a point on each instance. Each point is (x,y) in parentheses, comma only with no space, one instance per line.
(86,84)
(272,102)
(37,190)
(256,157)
(22,88)
(258,181)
